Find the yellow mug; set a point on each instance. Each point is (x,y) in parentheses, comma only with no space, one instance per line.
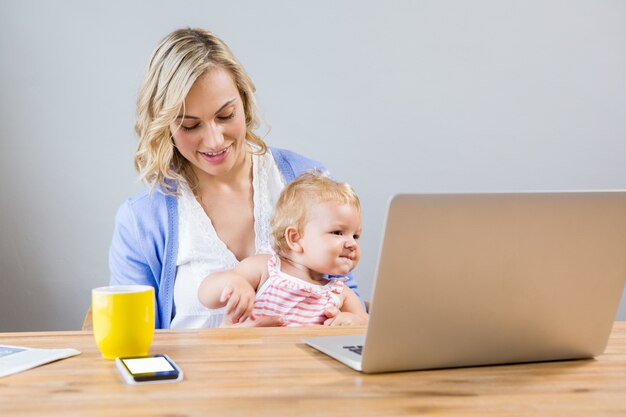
(123,319)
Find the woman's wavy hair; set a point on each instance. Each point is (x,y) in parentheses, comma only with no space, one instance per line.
(296,199)
(178,61)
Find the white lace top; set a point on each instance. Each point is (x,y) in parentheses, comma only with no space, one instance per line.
(201,251)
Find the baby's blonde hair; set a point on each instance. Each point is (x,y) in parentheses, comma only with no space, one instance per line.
(292,207)
(178,61)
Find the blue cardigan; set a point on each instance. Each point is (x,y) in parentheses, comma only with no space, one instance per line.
(144,248)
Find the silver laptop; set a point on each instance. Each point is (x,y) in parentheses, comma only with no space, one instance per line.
(485,279)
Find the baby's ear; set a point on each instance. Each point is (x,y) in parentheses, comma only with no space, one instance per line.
(292,238)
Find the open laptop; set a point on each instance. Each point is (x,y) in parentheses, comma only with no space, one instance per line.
(484,279)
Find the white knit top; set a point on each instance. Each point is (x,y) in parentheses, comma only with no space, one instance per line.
(201,251)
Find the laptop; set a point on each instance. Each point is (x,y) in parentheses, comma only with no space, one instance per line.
(485,279)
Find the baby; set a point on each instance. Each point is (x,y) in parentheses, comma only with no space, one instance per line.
(316,228)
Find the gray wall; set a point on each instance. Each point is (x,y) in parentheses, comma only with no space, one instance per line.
(392,95)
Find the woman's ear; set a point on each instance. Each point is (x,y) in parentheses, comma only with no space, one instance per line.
(292,237)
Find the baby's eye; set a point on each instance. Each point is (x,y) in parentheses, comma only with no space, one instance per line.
(337,232)
(356,237)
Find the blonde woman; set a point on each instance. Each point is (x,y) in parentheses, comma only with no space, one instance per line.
(211,181)
(316,229)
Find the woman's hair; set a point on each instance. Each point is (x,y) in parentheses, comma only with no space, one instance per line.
(178,61)
(308,189)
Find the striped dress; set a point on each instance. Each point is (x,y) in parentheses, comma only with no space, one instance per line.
(300,303)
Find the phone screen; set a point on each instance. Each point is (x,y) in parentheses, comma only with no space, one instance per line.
(150,368)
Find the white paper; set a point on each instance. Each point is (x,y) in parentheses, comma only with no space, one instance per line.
(14,359)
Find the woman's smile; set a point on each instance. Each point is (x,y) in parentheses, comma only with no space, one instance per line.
(216,157)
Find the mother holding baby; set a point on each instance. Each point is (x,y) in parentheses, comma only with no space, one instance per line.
(211,181)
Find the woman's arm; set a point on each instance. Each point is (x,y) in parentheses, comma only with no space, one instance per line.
(350,313)
(351,283)
(127,262)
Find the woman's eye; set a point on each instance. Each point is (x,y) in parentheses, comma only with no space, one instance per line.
(188,128)
(227,117)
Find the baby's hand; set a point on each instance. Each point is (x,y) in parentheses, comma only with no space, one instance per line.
(344,318)
(239,298)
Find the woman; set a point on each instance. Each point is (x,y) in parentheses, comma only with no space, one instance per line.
(212,182)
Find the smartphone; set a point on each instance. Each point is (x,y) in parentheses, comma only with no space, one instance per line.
(148,369)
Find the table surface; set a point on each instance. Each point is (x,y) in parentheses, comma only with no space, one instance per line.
(271,372)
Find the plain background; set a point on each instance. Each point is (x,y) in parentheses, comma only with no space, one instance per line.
(393,96)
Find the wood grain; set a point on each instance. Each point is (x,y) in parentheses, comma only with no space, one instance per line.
(271,372)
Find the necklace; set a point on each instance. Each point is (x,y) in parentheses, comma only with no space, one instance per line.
(294,264)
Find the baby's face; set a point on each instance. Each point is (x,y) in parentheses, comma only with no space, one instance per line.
(330,239)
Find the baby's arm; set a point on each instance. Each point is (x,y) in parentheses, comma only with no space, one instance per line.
(235,288)
(351,312)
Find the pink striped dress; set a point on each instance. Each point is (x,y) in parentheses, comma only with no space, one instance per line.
(298,302)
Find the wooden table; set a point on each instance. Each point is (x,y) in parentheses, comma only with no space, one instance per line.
(270,372)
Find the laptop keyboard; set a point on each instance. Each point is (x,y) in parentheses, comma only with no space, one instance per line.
(356,349)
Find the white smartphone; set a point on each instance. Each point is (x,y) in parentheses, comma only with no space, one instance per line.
(148,369)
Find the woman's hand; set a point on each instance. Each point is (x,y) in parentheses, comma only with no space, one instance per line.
(261,321)
(343,318)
